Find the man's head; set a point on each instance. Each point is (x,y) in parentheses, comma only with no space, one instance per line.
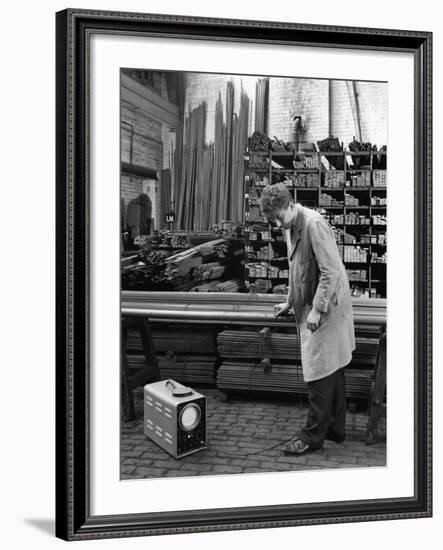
(277,204)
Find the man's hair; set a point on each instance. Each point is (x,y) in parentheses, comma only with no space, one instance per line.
(274,198)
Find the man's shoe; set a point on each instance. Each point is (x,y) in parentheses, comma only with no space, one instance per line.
(334,437)
(297,447)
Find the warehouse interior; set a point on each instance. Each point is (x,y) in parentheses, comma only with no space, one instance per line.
(202,268)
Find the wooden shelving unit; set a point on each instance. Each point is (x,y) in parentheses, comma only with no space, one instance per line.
(353,200)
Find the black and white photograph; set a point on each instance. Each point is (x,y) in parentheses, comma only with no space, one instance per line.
(254,236)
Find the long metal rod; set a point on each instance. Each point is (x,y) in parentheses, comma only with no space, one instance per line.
(199,315)
(229,316)
(235,297)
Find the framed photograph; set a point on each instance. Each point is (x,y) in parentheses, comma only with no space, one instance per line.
(244,274)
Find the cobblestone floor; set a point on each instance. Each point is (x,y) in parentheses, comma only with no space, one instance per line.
(239,429)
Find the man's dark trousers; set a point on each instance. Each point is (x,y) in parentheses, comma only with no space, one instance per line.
(327,410)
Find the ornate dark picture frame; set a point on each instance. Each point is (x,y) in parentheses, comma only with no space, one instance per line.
(73,517)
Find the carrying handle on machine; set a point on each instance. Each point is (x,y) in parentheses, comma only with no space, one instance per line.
(176,391)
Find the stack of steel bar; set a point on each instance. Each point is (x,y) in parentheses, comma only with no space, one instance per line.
(217,183)
(261,104)
(281,348)
(283,378)
(184,239)
(190,198)
(233,285)
(255,310)
(210,188)
(204,287)
(241,124)
(184,354)
(191,266)
(249,344)
(226,206)
(252,376)
(189,369)
(358,382)
(174,338)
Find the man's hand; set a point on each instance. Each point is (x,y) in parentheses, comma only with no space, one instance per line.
(313,319)
(281,309)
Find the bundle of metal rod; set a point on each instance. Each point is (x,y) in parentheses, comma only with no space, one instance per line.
(226,207)
(261,104)
(358,382)
(179,266)
(217,181)
(178,156)
(210,188)
(239,138)
(252,345)
(184,239)
(174,338)
(208,271)
(252,376)
(240,343)
(182,162)
(192,168)
(282,378)
(190,369)
(233,285)
(204,287)
(187,369)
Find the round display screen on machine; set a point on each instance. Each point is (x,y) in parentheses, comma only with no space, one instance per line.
(190,417)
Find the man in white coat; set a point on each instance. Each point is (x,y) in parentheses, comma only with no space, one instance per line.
(320,296)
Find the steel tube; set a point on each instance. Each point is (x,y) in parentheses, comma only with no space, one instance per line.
(199,315)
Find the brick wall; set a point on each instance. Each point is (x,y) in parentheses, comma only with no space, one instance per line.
(298,96)
(372,102)
(152,145)
(147,146)
(308,98)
